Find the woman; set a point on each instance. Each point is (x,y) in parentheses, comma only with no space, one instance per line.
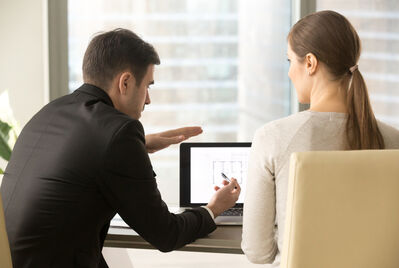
(323,50)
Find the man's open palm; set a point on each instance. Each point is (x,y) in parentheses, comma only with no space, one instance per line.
(159,141)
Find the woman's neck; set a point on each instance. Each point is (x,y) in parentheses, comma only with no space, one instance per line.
(328,96)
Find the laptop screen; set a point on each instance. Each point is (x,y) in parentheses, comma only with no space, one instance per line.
(202,165)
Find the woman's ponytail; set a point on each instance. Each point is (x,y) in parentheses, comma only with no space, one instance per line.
(361,127)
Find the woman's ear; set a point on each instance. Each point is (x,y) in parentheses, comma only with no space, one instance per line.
(311,63)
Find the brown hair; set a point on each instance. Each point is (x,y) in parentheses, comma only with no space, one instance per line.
(333,40)
(115,51)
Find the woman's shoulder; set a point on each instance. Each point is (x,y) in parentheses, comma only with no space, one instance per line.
(277,134)
(390,135)
(284,125)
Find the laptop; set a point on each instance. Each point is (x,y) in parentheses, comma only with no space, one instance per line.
(201,168)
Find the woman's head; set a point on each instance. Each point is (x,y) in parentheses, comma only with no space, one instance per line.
(327,38)
(326,41)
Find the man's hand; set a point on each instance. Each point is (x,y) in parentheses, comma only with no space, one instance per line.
(225,197)
(159,141)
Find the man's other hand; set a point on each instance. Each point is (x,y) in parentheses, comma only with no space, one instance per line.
(225,197)
(159,141)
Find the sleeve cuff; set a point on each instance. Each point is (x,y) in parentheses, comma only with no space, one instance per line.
(210,212)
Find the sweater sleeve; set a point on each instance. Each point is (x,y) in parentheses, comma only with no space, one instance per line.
(258,238)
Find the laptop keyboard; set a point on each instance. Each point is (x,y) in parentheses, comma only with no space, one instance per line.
(232,212)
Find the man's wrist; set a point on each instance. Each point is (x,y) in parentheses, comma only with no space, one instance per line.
(216,212)
(210,211)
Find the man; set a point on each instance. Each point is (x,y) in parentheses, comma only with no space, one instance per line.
(84,157)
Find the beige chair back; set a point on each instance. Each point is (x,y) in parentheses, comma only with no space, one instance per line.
(342,210)
(5,256)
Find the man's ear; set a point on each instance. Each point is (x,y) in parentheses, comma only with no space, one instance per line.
(126,80)
(311,63)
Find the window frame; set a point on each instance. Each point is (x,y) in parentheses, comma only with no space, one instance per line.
(56,46)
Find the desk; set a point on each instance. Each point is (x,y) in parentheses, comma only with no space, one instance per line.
(225,239)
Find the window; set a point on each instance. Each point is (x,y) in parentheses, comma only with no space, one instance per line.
(223,65)
(376,23)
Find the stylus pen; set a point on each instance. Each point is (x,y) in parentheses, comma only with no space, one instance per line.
(225,177)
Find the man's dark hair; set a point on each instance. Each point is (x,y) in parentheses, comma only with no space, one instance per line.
(110,53)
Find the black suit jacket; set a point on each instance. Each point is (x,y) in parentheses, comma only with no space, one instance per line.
(77,163)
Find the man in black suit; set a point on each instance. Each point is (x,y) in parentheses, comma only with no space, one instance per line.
(84,157)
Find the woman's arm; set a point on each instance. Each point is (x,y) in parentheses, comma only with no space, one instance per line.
(258,239)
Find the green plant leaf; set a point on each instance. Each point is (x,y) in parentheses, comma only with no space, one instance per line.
(5,150)
(1,171)
(5,129)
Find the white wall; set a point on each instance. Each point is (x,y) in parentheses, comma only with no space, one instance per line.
(22,58)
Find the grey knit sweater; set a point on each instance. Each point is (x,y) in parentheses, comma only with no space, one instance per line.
(268,168)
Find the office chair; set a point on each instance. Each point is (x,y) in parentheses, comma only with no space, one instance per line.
(342,210)
(5,255)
